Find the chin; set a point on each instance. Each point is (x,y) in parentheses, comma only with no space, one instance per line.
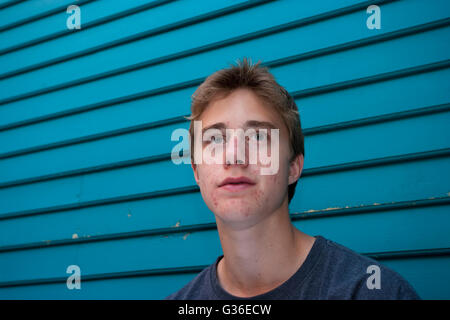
(237,214)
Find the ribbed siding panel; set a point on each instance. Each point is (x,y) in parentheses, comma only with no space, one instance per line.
(86,118)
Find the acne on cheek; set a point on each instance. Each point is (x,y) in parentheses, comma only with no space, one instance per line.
(277,182)
(214,200)
(261,199)
(258,195)
(274,180)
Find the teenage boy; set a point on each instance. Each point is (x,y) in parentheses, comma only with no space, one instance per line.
(264,255)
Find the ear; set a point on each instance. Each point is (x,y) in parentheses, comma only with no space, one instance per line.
(195,170)
(295,168)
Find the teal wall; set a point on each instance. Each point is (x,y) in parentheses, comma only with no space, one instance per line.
(86,118)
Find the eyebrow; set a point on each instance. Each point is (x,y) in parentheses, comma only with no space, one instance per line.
(248,124)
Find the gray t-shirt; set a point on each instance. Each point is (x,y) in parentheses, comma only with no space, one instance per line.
(330,271)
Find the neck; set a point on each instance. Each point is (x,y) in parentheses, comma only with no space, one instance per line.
(261,257)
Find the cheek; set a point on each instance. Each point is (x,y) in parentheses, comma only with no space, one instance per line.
(214,200)
(275,181)
(259,194)
(207,183)
(274,188)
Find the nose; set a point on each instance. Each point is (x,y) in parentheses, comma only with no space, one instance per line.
(236,150)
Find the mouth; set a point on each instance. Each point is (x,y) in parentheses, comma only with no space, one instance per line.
(236,184)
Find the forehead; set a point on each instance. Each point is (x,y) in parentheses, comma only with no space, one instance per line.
(239,107)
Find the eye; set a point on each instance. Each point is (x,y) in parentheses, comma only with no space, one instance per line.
(217,139)
(259,136)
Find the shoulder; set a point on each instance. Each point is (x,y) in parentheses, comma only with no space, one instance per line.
(198,288)
(354,276)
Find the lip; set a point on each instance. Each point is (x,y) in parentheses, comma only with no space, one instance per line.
(236,184)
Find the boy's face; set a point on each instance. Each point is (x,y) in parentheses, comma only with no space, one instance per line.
(244,205)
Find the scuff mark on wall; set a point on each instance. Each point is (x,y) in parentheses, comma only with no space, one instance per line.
(332,208)
(319,210)
(176,225)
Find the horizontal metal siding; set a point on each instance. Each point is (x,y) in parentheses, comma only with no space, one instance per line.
(86,118)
